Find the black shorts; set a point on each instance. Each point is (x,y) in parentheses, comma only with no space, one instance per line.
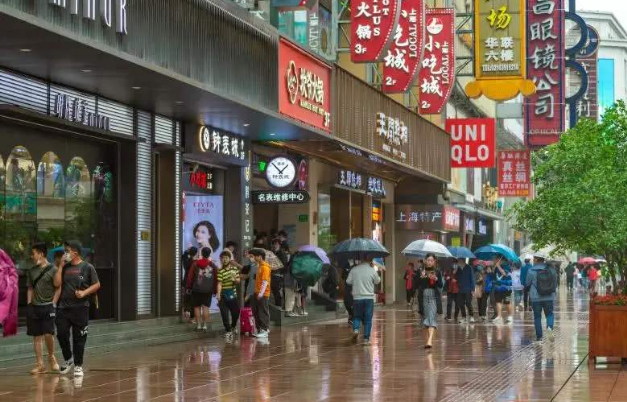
(503,297)
(201,299)
(40,320)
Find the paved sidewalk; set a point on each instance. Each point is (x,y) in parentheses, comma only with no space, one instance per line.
(479,362)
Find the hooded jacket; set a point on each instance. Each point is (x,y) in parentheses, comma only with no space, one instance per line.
(202,263)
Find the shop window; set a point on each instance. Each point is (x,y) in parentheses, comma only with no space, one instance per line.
(51,200)
(326,240)
(80,216)
(20,204)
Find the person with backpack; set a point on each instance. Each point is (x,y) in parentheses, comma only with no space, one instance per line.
(452,289)
(542,282)
(523,279)
(78,280)
(187,259)
(201,284)
(226,294)
(42,297)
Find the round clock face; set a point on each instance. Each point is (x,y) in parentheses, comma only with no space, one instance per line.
(281,172)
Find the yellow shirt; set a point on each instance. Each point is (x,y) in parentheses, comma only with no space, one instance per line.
(263,274)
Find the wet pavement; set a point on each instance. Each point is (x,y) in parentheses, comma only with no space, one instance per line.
(318,362)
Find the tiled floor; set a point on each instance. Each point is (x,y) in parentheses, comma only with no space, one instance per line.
(319,363)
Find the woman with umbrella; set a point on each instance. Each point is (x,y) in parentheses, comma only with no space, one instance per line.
(429,286)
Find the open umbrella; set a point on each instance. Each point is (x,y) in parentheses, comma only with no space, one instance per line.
(420,248)
(461,252)
(306,267)
(497,250)
(318,251)
(271,258)
(587,261)
(359,249)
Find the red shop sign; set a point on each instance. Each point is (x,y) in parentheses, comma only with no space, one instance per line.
(514,173)
(304,86)
(402,61)
(472,142)
(437,75)
(451,218)
(373,23)
(544,112)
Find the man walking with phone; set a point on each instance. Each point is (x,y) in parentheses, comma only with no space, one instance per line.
(78,280)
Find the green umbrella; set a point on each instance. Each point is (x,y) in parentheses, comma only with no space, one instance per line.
(306,268)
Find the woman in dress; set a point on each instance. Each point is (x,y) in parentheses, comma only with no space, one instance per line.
(429,286)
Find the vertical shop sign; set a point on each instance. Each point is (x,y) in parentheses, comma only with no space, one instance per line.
(514,173)
(402,60)
(304,87)
(544,112)
(588,105)
(473,142)
(452,219)
(437,75)
(247,221)
(373,24)
(500,51)
(395,135)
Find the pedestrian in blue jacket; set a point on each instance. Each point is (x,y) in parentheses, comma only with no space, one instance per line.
(466,280)
(523,279)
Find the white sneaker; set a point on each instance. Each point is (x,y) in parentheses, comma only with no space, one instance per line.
(461,321)
(510,320)
(204,328)
(261,334)
(228,335)
(198,327)
(472,320)
(66,366)
(497,321)
(355,336)
(78,371)
(550,334)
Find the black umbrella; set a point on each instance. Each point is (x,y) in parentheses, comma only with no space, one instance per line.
(358,249)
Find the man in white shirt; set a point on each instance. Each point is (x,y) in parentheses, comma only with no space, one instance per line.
(363,279)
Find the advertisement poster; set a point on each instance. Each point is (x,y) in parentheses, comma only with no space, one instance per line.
(203,223)
(514,173)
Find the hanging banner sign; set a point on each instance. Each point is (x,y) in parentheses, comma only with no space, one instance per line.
(500,67)
(437,75)
(544,112)
(373,24)
(473,142)
(304,87)
(514,173)
(402,61)
(588,105)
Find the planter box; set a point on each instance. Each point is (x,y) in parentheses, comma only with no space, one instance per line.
(608,331)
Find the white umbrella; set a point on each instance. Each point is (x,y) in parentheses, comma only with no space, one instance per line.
(420,248)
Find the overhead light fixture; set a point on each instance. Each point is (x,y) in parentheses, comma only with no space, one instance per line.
(246,124)
(86,70)
(25,50)
(179,102)
(136,88)
(272,134)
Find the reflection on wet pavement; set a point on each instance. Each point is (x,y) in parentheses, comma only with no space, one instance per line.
(480,362)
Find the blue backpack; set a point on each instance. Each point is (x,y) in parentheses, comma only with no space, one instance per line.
(503,283)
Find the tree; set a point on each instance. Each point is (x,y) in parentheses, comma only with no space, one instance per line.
(581,185)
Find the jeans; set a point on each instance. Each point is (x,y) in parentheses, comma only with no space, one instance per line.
(362,311)
(569,282)
(538,306)
(518,296)
(464,301)
(450,299)
(348,301)
(526,297)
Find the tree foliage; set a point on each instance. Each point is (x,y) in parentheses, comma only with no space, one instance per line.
(581,184)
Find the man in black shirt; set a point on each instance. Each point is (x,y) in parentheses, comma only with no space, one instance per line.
(78,280)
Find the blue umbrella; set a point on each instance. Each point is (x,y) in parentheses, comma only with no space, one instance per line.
(359,249)
(497,250)
(461,252)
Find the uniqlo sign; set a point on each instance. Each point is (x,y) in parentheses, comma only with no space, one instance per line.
(373,24)
(402,61)
(437,75)
(514,173)
(545,110)
(304,87)
(472,142)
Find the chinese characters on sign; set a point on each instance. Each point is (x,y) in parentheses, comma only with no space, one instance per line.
(76,110)
(514,173)
(402,59)
(376,188)
(395,136)
(247,226)
(224,144)
(482,227)
(473,142)
(201,180)
(499,50)
(452,218)
(280,197)
(417,216)
(469,224)
(350,179)
(588,105)
(545,110)
(437,74)
(304,87)
(373,24)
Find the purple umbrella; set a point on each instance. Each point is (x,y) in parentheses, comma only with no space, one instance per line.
(318,251)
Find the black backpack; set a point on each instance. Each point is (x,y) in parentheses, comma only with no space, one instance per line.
(546,283)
